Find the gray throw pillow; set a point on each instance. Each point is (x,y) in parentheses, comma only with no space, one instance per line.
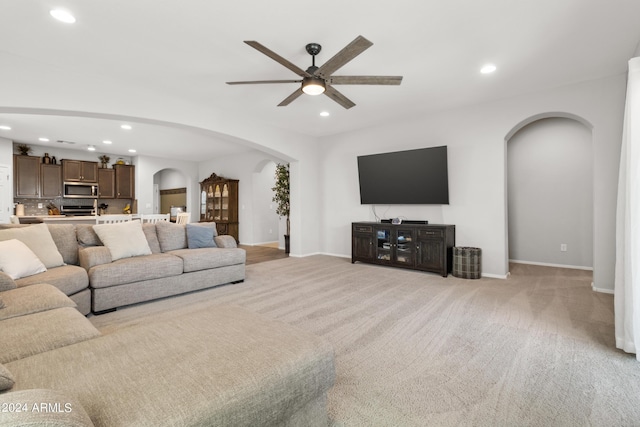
(200,236)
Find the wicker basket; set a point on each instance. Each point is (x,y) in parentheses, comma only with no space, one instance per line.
(467,262)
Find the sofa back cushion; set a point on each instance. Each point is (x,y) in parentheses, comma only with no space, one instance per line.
(64,236)
(37,238)
(149,230)
(171,236)
(87,236)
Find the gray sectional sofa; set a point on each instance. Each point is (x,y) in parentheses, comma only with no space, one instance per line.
(96,282)
(220,367)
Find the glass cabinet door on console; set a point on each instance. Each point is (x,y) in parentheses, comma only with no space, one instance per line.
(404,247)
(383,245)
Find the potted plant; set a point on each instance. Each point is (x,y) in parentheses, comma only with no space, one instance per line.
(104,159)
(24,149)
(281,197)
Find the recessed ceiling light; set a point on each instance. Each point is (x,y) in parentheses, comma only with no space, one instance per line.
(3,127)
(43,139)
(131,150)
(63,16)
(488,69)
(126,127)
(325,114)
(91,148)
(106,141)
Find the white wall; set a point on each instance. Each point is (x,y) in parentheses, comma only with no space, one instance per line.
(256,213)
(550,193)
(147,167)
(476,137)
(170,178)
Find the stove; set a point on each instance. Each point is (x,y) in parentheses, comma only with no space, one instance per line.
(77,210)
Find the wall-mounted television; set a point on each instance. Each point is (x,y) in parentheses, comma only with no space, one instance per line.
(411,177)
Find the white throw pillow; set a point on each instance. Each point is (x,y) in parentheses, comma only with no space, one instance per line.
(17,260)
(37,238)
(124,239)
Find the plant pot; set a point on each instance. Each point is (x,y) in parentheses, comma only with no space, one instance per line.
(287,245)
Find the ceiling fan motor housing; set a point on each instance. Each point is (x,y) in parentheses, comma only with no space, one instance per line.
(313,48)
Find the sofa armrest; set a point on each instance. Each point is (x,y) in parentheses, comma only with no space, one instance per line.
(225,241)
(94,255)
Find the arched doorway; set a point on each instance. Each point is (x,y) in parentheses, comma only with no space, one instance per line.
(550,193)
(169,190)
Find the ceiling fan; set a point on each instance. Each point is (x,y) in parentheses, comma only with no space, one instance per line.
(318,80)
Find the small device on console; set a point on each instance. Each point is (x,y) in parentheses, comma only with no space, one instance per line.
(404,221)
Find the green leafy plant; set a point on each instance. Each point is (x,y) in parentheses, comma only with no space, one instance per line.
(24,149)
(281,190)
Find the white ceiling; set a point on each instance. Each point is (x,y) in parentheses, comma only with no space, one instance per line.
(186,51)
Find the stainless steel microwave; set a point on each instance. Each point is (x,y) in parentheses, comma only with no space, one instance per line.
(80,190)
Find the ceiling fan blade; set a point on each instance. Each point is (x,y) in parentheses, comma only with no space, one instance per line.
(338,97)
(254,82)
(365,80)
(289,99)
(279,59)
(350,51)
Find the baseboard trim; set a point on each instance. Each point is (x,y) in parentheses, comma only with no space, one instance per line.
(601,290)
(495,276)
(545,264)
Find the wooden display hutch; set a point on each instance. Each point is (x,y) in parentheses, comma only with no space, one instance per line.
(219,204)
(415,246)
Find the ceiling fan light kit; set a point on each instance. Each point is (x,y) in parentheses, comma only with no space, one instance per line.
(313,86)
(319,80)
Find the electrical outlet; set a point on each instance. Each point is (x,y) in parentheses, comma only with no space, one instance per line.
(563,247)
(39,205)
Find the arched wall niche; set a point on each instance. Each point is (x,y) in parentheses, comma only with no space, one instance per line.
(550,170)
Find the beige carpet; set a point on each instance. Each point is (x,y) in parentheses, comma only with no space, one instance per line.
(416,349)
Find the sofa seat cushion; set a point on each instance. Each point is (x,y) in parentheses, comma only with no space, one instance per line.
(50,408)
(130,270)
(40,332)
(33,299)
(70,279)
(223,366)
(208,258)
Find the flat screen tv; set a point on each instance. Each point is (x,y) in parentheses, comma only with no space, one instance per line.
(411,177)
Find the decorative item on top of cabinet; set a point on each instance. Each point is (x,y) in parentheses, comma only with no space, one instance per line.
(219,203)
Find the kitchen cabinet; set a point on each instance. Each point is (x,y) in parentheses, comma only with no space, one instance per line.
(124,181)
(79,171)
(106,183)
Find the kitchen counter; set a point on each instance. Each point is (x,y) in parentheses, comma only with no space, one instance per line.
(64,219)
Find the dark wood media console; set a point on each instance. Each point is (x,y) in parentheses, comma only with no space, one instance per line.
(415,246)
